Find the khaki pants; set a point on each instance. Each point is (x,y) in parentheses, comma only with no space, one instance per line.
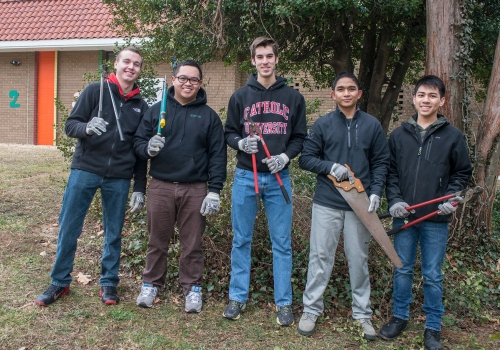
(168,203)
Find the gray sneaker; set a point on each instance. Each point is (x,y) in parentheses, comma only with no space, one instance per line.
(368,331)
(193,300)
(233,310)
(147,296)
(307,324)
(285,315)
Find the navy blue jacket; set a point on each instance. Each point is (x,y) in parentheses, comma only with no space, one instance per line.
(362,146)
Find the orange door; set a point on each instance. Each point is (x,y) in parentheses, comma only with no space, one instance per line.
(46,68)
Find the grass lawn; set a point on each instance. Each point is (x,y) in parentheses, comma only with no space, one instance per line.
(32,180)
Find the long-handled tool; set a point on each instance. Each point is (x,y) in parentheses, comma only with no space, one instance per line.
(467,195)
(162,118)
(255,130)
(117,116)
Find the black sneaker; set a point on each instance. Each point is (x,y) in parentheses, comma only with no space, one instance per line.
(233,310)
(285,315)
(432,340)
(51,295)
(109,295)
(391,330)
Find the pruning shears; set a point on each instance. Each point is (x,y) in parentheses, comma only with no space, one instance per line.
(467,195)
(255,130)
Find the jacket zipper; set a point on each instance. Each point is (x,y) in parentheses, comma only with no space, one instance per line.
(429,146)
(114,140)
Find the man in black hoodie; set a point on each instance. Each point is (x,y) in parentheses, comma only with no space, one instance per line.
(280,113)
(189,153)
(344,136)
(429,159)
(101,160)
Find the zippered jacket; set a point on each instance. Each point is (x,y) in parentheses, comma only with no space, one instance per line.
(194,149)
(359,142)
(425,168)
(279,111)
(105,154)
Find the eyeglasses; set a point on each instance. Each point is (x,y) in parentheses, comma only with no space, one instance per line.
(183,79)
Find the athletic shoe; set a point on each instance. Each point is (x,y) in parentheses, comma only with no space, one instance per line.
(391,330)
(233,310)
(307,324)
(285,315)
(193,300)
(368,331)
(109,295)
(147,296)
(51,294)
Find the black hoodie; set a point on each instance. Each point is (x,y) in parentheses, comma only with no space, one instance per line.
(194,148)
(279,111)
(105,154)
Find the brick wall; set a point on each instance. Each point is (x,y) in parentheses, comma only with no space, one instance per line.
(17,124)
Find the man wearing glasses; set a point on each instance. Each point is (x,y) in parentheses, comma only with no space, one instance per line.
(188,154)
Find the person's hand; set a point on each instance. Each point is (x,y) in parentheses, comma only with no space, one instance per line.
(136,201)
(155,144)
(341,173)
(398,210)
(447,208)
(276,163)
(96,126)
(249,144)
(211,204)
(374,203)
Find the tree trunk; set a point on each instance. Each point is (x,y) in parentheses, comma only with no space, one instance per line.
(443,25)
(488,147)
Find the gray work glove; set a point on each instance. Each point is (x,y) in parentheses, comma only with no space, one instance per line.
(341,173)
(446,208)
(155,145)
(398,210)
(374,203)
(276,163)
(136,201)
(96,126)
(249,144)
(211,204)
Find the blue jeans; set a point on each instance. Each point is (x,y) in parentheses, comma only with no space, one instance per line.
(432,237)
(77,198)
(279,217)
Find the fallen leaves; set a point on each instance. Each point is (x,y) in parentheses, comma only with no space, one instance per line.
(83,279)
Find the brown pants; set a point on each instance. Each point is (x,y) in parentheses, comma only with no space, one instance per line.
(167,203)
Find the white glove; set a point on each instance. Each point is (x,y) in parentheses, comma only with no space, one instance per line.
(136,201)
(374,203)
(96,126)
(398,210)
(446,208)
(276,163)
(211,204)
(249,144)
(341,173)
(155,145)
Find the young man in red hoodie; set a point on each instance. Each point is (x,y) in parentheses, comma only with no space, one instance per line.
(101,160)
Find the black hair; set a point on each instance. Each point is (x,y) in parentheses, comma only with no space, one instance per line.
(188,63)
(431,81)
(345,74)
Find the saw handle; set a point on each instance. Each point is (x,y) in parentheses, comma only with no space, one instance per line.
(346,185)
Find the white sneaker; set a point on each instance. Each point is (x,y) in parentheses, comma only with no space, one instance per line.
(147,296)
(368,331)
(193,300)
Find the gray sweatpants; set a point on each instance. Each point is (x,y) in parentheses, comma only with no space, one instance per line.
(327,224)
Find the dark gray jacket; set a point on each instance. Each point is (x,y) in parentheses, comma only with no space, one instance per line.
(362,146)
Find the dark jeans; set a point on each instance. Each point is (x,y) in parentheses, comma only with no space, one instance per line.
(78,196)
(168,203)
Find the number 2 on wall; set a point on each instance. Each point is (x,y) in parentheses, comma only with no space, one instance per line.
(13,94)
